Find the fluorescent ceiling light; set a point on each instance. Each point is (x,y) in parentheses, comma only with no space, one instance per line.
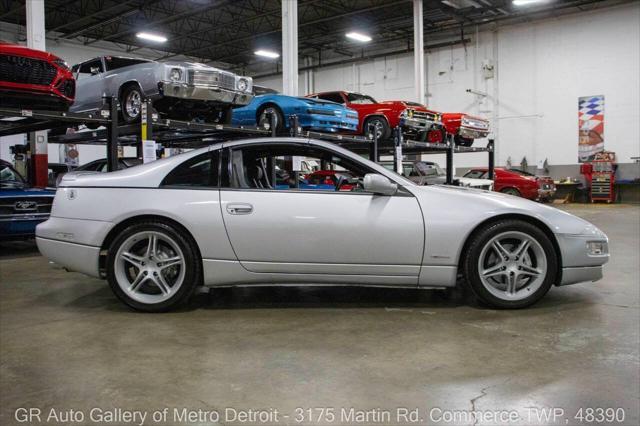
(267,54)
(526,2)
(359,37)
(152,37)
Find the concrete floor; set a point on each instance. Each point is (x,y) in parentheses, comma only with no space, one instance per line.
(67,343)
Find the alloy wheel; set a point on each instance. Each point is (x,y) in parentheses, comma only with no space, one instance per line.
(149,267)
(133,103)
(512,265)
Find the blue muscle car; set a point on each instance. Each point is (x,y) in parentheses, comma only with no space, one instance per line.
(21,207)
(313,114)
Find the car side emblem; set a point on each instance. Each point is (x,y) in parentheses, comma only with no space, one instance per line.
(25,205)
(71,194)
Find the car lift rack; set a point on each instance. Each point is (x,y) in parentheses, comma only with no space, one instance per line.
(177,133)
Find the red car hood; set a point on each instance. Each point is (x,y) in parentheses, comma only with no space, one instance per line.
(413,105)
(14,49)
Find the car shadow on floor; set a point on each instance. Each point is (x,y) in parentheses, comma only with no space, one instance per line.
(16,249)
(334,297)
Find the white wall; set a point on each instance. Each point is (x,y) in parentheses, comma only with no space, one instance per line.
(541,70)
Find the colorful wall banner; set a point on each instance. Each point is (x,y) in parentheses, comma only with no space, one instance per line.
(590,127)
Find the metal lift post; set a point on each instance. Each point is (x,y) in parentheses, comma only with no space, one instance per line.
(450,151)
(112,135)
(491,150)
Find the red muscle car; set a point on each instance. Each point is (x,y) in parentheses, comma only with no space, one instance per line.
(465,128)
(517,182)
(414,118)
(33,79)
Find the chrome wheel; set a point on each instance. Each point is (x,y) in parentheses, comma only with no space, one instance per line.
(378,129)
(512,265)
(133,103)
(149,267)
(264,120)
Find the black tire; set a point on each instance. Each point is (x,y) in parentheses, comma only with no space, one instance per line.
(460,141)
(472,259)
(262,117)
(511,191)
(129,94)
(192,266)
(380,123)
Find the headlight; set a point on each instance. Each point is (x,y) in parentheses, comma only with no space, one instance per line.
(242,84)
(597,248)
(175,74)
(61,64)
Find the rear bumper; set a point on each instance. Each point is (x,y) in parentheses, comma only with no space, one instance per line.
(204,93)
(73,257)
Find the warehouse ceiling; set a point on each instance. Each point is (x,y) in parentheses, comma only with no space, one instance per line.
(229,31)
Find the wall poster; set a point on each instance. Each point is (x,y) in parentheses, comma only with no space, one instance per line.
(590,127)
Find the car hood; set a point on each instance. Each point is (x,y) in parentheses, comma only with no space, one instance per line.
(467,204)
(410,105)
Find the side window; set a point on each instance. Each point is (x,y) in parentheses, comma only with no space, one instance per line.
(281,167)
(332,96)
(199,171)
(89,69)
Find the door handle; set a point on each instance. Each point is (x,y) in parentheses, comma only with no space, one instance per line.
(239,208)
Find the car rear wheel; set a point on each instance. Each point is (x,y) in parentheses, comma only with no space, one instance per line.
(510,264)
(131,103)
(264,118)
(378,125)
(152,267)
(511,191)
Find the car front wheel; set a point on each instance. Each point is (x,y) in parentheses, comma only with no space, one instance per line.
(510,264)
(152,266)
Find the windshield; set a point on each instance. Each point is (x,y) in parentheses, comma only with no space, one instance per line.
(475,174)
(357,98)
(9,176)
(521,172)
(115,62)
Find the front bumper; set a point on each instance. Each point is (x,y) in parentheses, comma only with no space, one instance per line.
(205,93)
(472,132)
(546,193)
(19,228)
(327,123)
(578,264)
(417,125)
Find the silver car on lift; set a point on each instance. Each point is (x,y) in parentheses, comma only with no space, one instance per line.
(179,90)
(219,216)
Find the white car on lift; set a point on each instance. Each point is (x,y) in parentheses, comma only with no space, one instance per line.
(221,216)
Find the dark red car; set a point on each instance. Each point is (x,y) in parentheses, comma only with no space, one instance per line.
(332,178)
(33,79)
(517,182)
(415,119)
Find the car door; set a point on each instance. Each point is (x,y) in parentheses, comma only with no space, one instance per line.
(90,85)
(321,232)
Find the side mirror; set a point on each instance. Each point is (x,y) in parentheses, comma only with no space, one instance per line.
(95,70)
(379,184)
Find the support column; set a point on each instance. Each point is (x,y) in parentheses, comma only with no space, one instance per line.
(37,140)
(418,51)
(290,47)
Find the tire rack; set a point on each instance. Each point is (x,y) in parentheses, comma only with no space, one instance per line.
(186,134)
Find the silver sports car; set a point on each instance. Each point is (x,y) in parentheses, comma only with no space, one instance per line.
(222,216)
